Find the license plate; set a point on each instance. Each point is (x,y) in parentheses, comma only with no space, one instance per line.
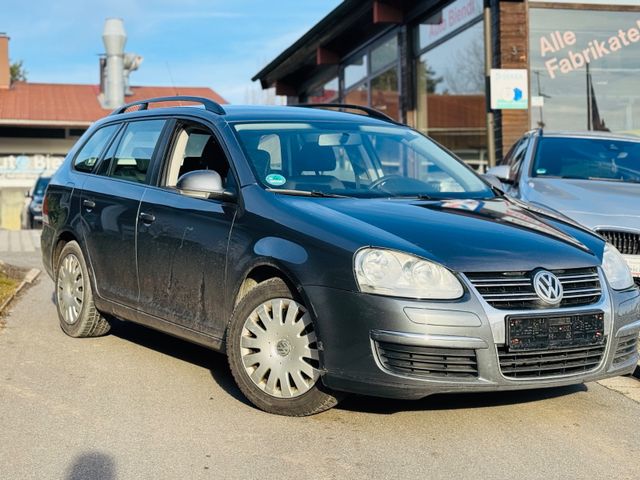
(634,264)
(554,331)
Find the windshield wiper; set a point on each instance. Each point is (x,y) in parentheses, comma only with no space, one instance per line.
(418,196)
(306,193)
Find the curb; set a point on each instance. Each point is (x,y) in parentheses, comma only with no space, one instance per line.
(27,280)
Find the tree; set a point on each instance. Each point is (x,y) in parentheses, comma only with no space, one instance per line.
(17,72)
(427,79)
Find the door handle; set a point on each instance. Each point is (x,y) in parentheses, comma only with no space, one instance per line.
(89,204)
(147,217)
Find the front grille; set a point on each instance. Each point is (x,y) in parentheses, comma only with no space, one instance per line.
(627,347)
(550,363)
(628,243)
(514,290)
(419,361)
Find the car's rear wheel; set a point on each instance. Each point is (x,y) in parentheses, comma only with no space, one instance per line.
(272,347)
(74,298)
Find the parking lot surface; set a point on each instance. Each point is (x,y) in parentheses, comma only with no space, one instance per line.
(141,404)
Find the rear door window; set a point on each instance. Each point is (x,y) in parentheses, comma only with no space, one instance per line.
(90,153)
(135,150)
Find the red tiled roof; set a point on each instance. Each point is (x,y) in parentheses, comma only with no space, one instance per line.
(73,105)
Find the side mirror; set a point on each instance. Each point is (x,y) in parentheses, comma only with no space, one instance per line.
(204,184)
(501,172)
(493,181)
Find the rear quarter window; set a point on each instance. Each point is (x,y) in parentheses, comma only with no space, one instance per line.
(90,152)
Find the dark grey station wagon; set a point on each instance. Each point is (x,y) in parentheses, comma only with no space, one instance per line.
(328,252)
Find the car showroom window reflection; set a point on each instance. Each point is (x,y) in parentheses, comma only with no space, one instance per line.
(586,76)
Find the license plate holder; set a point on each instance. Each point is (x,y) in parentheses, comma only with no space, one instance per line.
(549,332)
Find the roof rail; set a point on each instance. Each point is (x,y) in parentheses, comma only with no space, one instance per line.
(209,104)
(371,112)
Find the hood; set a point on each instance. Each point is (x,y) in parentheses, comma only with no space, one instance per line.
(464,235)
(595,204)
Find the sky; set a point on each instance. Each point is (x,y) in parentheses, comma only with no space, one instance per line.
(211,43)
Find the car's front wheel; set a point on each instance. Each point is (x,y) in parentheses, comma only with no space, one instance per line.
(74,298)
(272,349)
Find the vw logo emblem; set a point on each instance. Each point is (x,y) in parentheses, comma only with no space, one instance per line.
(548,287)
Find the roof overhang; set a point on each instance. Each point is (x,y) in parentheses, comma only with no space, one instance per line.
(317,53)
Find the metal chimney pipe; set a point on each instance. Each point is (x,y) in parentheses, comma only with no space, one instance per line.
(114,39)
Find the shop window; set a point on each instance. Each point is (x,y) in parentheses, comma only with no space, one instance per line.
(385,95)
(370,78)
(447,21)
(328,93)
(358,95)
(355,71)
(451,94)
(584,69)
(384,54)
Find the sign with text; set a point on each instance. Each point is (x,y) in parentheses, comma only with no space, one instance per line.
(11,165)
(447,20)
(509,89)
(564,52)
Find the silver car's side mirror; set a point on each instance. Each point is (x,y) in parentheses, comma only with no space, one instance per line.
(501,172)
(205,184)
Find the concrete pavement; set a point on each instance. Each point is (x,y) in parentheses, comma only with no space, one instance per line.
(140,404)
(19,241)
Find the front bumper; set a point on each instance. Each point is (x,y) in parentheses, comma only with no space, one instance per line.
(351,325)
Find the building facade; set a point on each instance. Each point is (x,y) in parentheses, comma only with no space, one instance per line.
(428,63)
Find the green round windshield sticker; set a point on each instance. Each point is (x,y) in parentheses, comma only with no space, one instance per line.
(276,179)
(541,171)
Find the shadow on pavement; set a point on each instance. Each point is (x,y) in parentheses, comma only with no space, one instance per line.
(183,350)
(456,401)
(92,465)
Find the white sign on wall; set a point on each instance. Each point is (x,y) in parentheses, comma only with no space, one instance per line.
(509,89)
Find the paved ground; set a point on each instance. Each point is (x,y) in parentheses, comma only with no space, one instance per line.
(19,241)
(139,404)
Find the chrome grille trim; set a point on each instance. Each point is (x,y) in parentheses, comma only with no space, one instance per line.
(514,290)
(627,242)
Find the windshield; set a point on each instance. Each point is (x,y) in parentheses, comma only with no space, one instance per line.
(588,159)
(348,159)
(41,186)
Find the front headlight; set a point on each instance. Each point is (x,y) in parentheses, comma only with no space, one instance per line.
(616,269)
(37,207)
(397,274)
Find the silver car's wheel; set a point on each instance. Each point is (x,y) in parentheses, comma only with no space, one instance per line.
(70,288)
(278,347)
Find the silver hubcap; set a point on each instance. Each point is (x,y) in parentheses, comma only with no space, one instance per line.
(279,348)
(70,288)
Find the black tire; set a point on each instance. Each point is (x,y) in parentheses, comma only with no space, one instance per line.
(89,322)
(315,400)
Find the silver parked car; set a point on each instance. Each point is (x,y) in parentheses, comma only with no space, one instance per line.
(592,178)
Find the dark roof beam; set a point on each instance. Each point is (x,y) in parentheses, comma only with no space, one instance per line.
(324,56)
(285,89)
(384,12)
